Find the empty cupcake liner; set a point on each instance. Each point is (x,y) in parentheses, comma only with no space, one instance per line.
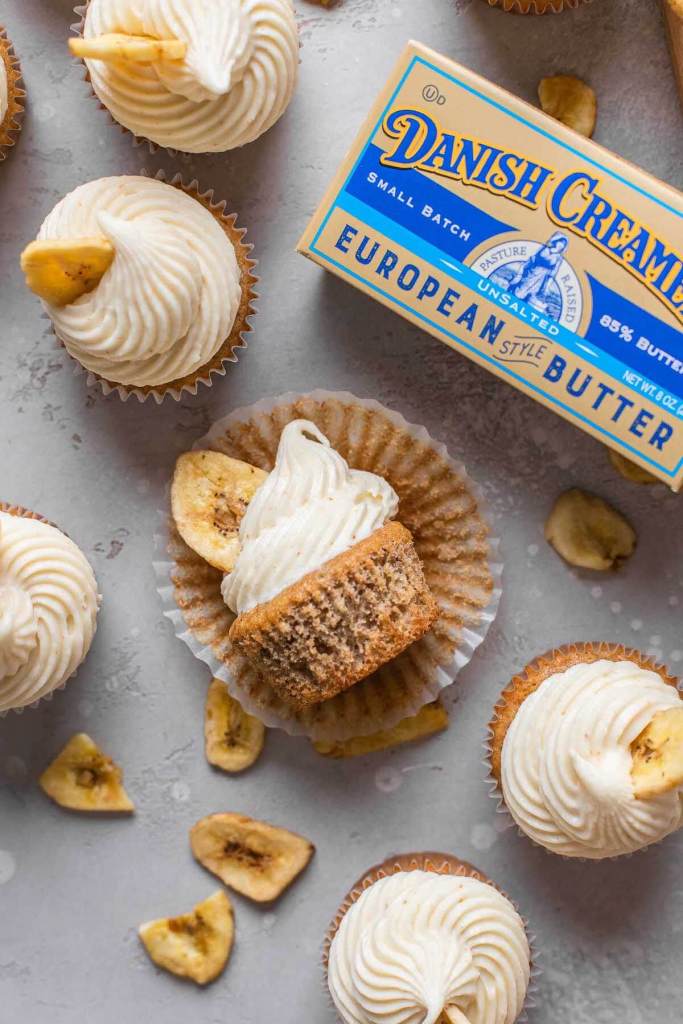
(25,513)
(12,122)
(439,503)
(236,340)
(536,6)
(531,676)
(440,864)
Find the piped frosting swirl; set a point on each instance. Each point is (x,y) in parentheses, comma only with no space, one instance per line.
(48,609)
(169,299)
(566,761)
(416,943)
(311,508)
(235,81)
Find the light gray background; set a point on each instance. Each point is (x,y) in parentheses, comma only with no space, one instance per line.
(74,889)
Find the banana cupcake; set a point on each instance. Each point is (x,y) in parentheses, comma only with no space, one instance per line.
(427,938)
(148,284)
(587,751)
(48,608)
(200,76)
(327,586)
(11,95)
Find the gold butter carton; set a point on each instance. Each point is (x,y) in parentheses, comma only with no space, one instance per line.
(522,245)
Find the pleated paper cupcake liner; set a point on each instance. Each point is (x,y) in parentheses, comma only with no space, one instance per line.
(440,505)
(12,121)
(26,513)
(526,682)
(236,341)
(536,6)
(440,864)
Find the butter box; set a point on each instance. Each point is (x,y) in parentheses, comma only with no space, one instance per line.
(522,245)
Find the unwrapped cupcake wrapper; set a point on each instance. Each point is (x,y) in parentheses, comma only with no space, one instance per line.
(11,125)
(440,864)
(440,505)
(236,340)
(558,660)
(536,6)
(26,513)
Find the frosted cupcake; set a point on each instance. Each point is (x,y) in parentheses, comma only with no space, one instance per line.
(566,750)
(48,608)
(11,95)
(201,76)
(327,586)
(427,938)
(148,285)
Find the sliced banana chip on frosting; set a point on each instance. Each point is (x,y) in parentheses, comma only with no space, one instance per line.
(234,739)
(589,533)
(209,496)
(82,778)
(119,46)
(569,100)
(432,718)
(658,755)
(254,858)
(195,945)
(630,470)
(59,271)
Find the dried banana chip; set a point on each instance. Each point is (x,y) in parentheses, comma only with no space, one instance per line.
(119,46)
(82,778)
(432,718)
(252,857)
(569,100)
(589,533)
(209,496)
(658,755)
(59,271)
(630,470)
(195,945)
(234,739)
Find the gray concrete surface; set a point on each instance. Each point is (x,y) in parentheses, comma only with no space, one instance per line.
(73,889)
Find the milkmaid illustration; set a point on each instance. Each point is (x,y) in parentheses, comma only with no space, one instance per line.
(534,279)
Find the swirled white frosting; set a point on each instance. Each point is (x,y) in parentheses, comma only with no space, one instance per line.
(235,81)
(416,943)
(48,609)
(566,764)
(310,509)
(4,91)
(170,297)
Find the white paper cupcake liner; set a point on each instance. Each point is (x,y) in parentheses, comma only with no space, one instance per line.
(440,504)
(237,339)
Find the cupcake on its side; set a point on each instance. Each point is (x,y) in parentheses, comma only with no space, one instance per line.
(326,586)
(48,608)
(566,741)
(148,285)
(427,938)
(200,76)
(11,95)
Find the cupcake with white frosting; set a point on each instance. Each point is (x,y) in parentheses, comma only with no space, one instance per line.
(11,95)
(427,938)
(48,608)
(200,76)
(148,284)
(562,751)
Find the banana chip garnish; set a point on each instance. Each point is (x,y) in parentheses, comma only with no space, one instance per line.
(82,778)
(252,857)
(119,46)
(658,755)
(571,101)
(233,739)
(630,470)
(209,496)
(432,718)
(589,533)
(59,271)
(195,945)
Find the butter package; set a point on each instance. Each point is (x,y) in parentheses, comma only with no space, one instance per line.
(523,246)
